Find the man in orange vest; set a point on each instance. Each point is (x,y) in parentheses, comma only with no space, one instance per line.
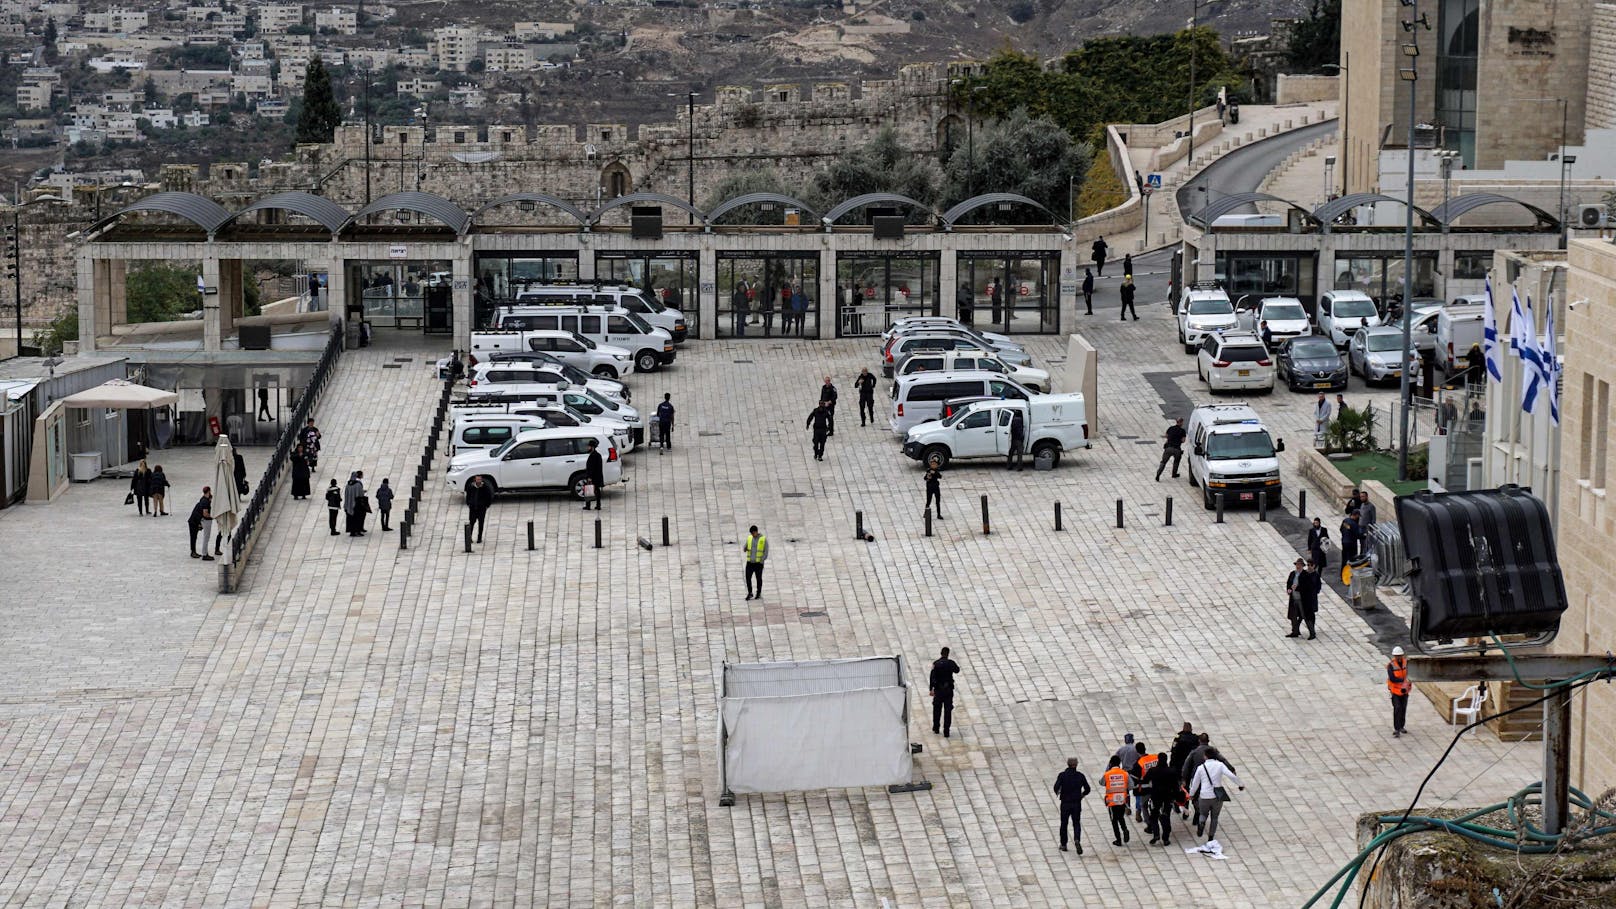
(1141,792)
(1117,782)
(1397,683)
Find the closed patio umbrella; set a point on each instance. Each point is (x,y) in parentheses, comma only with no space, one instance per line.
(226,498)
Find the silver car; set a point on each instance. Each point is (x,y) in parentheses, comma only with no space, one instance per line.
(1378,353)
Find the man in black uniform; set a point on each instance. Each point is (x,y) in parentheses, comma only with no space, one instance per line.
(664,416)
(1173,447)
(201,516)
(819,421)
(827,397)
(1127,292)
(865,383)
(941,689)
(1070,787)
(934,490)
(595,467)
(1018,442)
(479,496)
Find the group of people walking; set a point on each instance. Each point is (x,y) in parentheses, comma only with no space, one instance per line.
(148,490)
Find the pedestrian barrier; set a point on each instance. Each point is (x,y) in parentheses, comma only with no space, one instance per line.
(665,535)
(241,539)
(858,525)
(1301,504)
(423,469)
(597,533)
(468,536)
(928,521)
(1119,514)
(1262,507)
(529,536)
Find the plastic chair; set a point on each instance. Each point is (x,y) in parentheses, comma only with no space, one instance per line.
(1475,695)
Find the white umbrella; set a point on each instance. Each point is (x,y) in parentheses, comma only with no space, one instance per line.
(226,499)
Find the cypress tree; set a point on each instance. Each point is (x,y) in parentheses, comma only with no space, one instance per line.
(317,122)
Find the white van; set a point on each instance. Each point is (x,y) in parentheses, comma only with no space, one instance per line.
(1458,327)
(488,430)
(647,307)
(1232,453)
(650,347)
(1053,424)
(605,360)
(920,397)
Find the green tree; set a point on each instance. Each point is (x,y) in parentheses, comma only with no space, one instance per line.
(755,181)
(882,165)
(161,292)
(63,328)
(1021,154)
(318,119)
(50,41)
(1316,40)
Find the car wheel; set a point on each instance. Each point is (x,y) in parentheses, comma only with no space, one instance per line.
(576,484)
(1189,348)
(487,481)
(647,361)
(605,372)
(1050,447)
(1191,474)
(936,457)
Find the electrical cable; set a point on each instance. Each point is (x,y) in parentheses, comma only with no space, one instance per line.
(1458,825)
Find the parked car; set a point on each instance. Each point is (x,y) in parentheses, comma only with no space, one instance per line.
(488,430)
(652,347)
(914,323)
(1377,353)
(646,306)
(1459,326)
(1342,312)
(962,360)
(611,388)
(918,398)
(538,459)
(553,410)
(1053,424)
(1235,360)
(1203,308)
(1311,364)
(606,360)
(1285,318)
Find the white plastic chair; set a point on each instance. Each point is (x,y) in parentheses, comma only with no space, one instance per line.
(1469,704)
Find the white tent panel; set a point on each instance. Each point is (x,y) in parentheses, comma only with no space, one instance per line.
(751,680)
(839,740)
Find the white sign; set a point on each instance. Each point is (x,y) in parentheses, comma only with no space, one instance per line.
(398,252)
(462,283)
(708,287)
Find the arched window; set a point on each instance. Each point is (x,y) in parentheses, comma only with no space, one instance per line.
(614,180)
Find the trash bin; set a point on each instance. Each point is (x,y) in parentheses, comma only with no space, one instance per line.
(86,466)
(1234,113)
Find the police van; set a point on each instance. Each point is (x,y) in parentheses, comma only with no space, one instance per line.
(1232,453)
(646,306)
(649,347)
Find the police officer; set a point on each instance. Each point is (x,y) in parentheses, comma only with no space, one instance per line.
(1397,683)
(1070,787)
(664,416)
(1018,441)
(819,421)
(941,688)
(827,397)
(934,490)
(1172,447)
(1116,782)
(865,383)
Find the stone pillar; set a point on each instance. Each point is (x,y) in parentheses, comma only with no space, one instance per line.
(91,289)
(1069,282)
(232,296)
(464,311)
(212,320)
(586,259)
(948,282)
(336,289)
(707,290)
(829,300)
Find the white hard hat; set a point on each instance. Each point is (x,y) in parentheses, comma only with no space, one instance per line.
(1397,651)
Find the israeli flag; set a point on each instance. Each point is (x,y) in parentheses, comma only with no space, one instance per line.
(1531,359)
(1489,337)
(1551,363)
(1518,326)
(201,286)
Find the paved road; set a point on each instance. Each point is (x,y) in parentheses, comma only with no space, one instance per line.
(1243,169)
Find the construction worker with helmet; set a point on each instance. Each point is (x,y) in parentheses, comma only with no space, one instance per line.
(1397,683)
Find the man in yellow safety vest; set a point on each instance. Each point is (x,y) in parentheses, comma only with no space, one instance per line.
(756,548)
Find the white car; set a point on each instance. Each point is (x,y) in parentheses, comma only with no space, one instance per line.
(1285,318)
(981,429)
(1203,308)
(551,405)
(964,360)
(1231,453)
(911,324)
(1235,360)
(597,359)
(1378,354)
(538,459)
(503,373)
(1342,312)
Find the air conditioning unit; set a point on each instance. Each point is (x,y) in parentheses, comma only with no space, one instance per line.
(1592,217)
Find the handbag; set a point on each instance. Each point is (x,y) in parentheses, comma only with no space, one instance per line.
(589,490)
(130,498)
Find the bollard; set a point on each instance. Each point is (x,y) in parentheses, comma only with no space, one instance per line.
(1220,508)
(986,528)
(928,522)
(665,531)
(644,543)
(1262,506)
(597,533)
(858,525)
(529,536)
(1301,504)
(403,536)
(1058,517)
(468,536)
(1119,514)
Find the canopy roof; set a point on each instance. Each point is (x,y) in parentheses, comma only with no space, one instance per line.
(121,394)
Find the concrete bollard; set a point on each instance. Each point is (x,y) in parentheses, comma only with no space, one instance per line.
(1058,526)
(928,522)
(468,536)
(644,543)
(665,531)
(1301,504)
(597,533)
(1220,508)
(529,536)
(1119,514)
(1262,506)
(858,525)
(1169,522)
(986,527)
(403,536)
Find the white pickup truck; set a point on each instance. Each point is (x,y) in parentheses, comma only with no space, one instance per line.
(1053,424)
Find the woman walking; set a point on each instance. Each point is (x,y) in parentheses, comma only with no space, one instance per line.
(1209,789)
(300,473)
(140,488)
(157,484)
(333,503)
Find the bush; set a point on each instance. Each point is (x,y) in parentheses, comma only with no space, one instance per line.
(1351,431)
(1102,188)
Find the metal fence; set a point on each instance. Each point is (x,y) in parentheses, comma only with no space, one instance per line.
(258,506)
(429,450)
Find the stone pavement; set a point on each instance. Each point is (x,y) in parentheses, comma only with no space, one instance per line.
(367,726)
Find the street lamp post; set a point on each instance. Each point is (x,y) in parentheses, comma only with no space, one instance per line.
(690,152)
(1346,115)
(1411,75)
(1565,164)
(14,255)
(1445,159)
(367,133)
(1195,12)
(1329,169)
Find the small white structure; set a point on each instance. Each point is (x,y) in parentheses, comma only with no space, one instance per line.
(820,724)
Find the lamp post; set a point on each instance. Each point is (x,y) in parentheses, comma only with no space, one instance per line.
(1445,159)
(690,152)
(367,131)
(13,255)
(1329,169)
(1565,164)
(1195,13)
(1346,115)
(1411,75)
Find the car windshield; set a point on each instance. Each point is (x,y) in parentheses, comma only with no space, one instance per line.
(1210,307)
(651,302)
(1312,349)
(1225,446)
(588,344)
(598,398)
(639,323)
(1284,312)
(1353,309)
(954,417)
(1388,341)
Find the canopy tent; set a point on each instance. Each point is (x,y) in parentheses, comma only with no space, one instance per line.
(121,394)
(819,724)
(226,497)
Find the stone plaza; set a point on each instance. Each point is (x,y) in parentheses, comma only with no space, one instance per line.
(368,726)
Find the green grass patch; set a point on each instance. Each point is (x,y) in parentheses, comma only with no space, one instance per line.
(1377,466)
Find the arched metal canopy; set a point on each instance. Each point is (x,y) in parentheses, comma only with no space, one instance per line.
(435,207)
(1224,205)
(836,214)
(729,205)
(1335,208)
(986,199)
(199,210)
(318,209)
(1452,209)
(636,198)
(578,214)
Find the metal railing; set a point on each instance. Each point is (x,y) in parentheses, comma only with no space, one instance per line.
(241,540)
(429,450)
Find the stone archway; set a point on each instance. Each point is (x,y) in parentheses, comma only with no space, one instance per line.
(950,132)
(615,181)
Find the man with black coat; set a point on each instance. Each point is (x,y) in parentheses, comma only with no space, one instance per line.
(1307,588)
(1318,537)
(819,421)
(1088,292)
(664,417)
(199,523)
(1351,534)
(1070,787)
(865,383)
(595,470)
(1127,292)
(941,688)
(1185,742)
(934,490)
(1018,441)
(479,496)
(827,397)
(1293,598)
(1097,252)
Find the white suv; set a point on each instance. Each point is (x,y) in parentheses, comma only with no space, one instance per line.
(538,459)
(1343,312)
(606,360)
(965,360)
(1235,359)
(1203,308)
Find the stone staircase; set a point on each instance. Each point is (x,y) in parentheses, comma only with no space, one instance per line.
(1526,726)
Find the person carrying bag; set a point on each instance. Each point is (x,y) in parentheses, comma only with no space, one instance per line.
(1208,789)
